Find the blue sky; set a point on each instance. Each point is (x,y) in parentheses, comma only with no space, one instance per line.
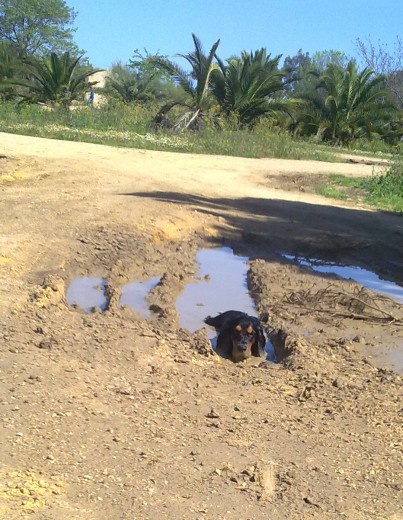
(110,30)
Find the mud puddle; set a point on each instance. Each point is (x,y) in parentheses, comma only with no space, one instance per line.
(221,285)
(135,295)
(384,355)
(365,278)
(88,293)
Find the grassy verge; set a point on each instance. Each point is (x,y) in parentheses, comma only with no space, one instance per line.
(130,126)
(339,187)
(385,191)
(119,125)
(376,147)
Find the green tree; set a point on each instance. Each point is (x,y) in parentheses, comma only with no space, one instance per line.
(322,59)
(55,80)
(248,87)
(128,85)
(195,83)
(143,63)
(387,62)
(9,67)
(302,69)
(37,26)
(158,80)
(294,68)
(352,104)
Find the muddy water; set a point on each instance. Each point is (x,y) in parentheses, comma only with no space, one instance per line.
(383,355)
(362,276)
(221,285)
(135,295)
(87,293)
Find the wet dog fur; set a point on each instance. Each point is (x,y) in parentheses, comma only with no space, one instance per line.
(240,335)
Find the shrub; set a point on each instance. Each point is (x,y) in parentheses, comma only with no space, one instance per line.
(386,190)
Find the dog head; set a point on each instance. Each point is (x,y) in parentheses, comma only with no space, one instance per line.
(243,338)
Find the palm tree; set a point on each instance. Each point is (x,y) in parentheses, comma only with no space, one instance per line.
(249,86)
(128,85)
(9,65)
(195,83)
(56,80)
(350,103)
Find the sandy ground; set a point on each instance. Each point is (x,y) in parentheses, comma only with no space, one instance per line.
(113,416)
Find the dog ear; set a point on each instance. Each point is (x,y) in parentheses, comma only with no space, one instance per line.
(224,345)
(210,320)
(258,348)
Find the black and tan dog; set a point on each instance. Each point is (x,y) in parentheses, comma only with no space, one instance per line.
(240,335)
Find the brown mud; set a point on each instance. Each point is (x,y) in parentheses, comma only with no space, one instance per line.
(112,416)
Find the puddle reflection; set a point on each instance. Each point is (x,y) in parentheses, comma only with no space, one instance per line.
(87,293)
(135,295)
(389,357)
(222,286)
(362,276)
(382,356)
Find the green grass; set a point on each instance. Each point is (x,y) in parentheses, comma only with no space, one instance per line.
(339,186)
(331,192)
(130,126)
(255,144)
(384,191)
(377,147)
(346,182)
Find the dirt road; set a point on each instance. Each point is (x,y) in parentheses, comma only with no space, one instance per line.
(113,416)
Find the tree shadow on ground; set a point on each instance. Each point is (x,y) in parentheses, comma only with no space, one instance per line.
(367,239)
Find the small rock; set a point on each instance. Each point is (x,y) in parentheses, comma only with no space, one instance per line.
(212,414)
(47,344)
